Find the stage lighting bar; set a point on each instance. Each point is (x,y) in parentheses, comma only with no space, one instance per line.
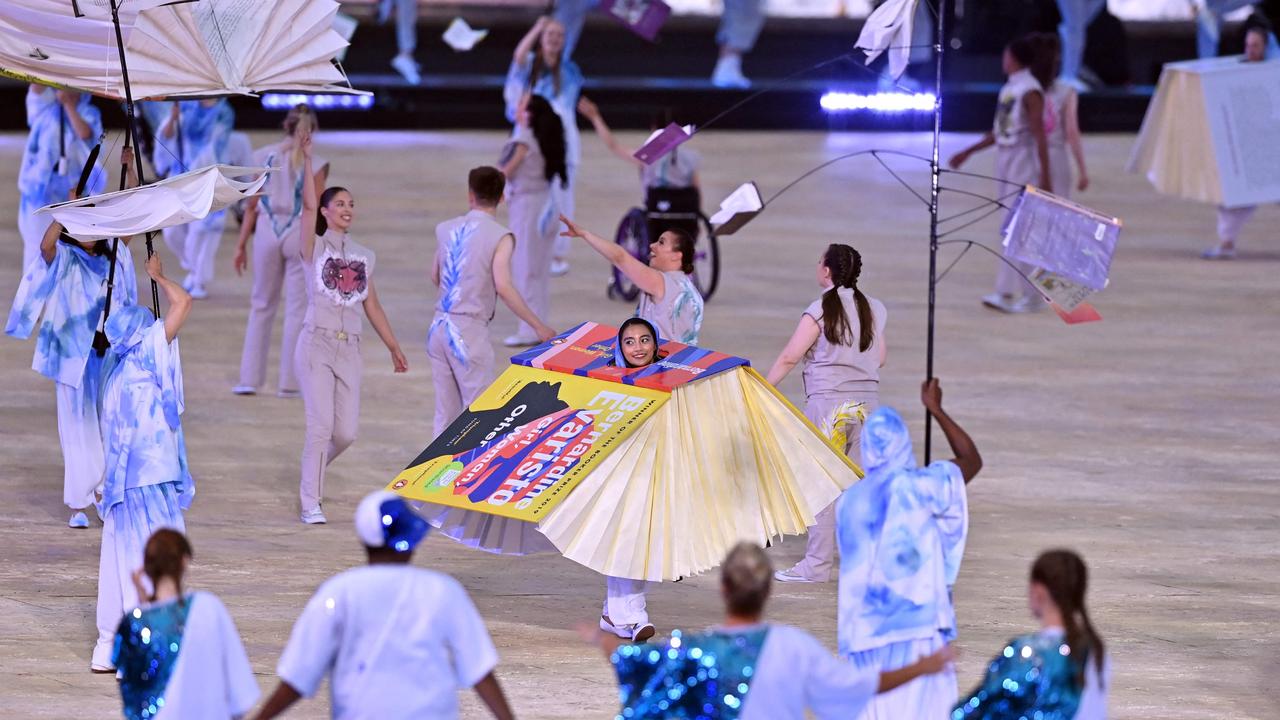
(284,101)
(884,102)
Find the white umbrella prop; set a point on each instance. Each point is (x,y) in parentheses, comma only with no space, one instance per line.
(150,208)
(199,48)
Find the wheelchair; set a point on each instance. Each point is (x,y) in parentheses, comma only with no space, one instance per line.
(667,208)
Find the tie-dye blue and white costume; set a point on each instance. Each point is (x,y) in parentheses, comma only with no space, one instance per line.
(51,165)
(203,139)
(458,342)
(146,485)
(66,298)
(901,532)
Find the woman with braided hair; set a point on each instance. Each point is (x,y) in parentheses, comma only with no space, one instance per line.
(840,338)
(1061,671)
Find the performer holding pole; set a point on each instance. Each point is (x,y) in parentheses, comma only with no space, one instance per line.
(840,340)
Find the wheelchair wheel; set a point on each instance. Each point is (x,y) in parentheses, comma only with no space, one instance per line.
(633,236)
(706,260)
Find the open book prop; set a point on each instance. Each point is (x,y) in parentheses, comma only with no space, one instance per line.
(889,28)
(642,17)
(1069,245)
(1210,132)
(173,201)
(191,49)
(738,209)
(649,473)
(662,142)
(462,37)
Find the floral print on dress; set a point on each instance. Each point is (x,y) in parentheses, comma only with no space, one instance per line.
(344,280)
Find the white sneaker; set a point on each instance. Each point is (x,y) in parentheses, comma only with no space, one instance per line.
(559,267)
(314,517)
(635,632)
(288,394)
(1219,252)
(519,340)
(728,73)
(408,69)
(244,390)
(996,301)
(187,283)
(791,576)
(1028,304)
(78,521)
(197,291)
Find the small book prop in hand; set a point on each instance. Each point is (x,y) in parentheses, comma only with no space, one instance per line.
(462,37)
(738,209)
(642,17)
(662,142)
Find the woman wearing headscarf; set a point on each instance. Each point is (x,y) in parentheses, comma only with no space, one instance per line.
(146,485)
(901,532)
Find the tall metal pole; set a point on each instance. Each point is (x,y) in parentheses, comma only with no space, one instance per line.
(935,172)
(133,135)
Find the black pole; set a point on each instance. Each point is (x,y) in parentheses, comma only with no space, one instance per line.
(935,172)
(100,342)
(133,136)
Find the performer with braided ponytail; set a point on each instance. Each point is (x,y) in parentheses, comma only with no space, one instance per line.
(1060,672)
(840,338)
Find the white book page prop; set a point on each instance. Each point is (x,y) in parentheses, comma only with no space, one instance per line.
(662,142)
(174,201)
(738,209)
(1066,238)
(889,28)
(461,37)
(230,30)
(1062,292)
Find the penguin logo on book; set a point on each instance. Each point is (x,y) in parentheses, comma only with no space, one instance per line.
(38,54)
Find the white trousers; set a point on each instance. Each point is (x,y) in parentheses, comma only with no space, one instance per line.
(624,601)
(930,696)
(277,267)
(81,437)
(563,197)
(196,247)
(1232,220)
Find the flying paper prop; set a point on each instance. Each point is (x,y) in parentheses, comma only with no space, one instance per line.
(192,49)
(642,17)
(889,27)
(649,473)
(738,209)
(174,201)
(1210,132)
(1069,245)
(461,37)
(662,142)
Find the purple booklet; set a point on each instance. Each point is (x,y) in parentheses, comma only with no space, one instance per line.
(643,17)
(662,142)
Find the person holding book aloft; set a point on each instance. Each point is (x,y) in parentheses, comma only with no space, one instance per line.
(840,340)
(668,298)
(1022,157)
(472,268)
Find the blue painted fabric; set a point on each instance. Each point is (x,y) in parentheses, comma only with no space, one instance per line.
(42,179)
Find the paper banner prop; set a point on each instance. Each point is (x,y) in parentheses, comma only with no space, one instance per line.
(738,209)
(642,17)
(662,142)
(1210,132)
(660,487)
(192,49)
(587,351)
(889,28)
(174,201)
(461,37)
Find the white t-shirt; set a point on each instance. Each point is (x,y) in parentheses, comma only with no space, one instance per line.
(795,672)
(400,642)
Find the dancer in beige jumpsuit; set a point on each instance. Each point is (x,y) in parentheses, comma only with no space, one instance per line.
(339,276)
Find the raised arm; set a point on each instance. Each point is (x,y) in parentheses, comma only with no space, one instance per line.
(70,105)
(987,140)
(378,319)
(49,243)
(525,46)
(1033,104)
(591,112)
(310,202)
(179,300)
(1072,131)
(802,339)
(967,457)
(645,277)
(507,291)
(170,126)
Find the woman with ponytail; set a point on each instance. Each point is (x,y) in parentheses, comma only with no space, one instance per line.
(178,653)
(1061,671)
(273,220)
(840,338)
(339,276)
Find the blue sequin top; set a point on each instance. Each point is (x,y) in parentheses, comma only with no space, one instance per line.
(147,645)
(705,676)
(1032,678)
